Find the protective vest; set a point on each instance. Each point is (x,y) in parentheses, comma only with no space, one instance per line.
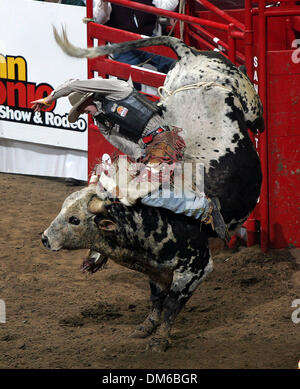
(128,116)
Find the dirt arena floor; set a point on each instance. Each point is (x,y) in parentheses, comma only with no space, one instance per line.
(57,317)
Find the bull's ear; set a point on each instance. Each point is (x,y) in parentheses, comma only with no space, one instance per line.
(107,225)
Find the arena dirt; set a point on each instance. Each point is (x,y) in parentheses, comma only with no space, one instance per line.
(57,317)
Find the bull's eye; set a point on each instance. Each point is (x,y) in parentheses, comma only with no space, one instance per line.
(74,220)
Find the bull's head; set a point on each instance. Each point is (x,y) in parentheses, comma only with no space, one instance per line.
(82,221)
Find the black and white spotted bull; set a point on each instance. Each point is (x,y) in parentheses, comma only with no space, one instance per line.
(168,248)
(215,103)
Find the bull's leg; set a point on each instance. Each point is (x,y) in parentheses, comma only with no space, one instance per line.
(186,279)
(152,321)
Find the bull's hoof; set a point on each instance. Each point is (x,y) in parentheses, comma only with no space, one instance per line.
(143,330)
(158,344)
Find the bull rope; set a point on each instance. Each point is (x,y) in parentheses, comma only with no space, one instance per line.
(203,84)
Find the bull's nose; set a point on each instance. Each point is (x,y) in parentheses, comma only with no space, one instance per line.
(45,241)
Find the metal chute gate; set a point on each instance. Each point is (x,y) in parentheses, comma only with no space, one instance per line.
(264,36)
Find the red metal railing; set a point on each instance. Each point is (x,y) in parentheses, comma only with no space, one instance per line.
(262,211)
(230,28)
(222,13)
(263,145)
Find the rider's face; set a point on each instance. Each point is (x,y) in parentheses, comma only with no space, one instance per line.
(89,108)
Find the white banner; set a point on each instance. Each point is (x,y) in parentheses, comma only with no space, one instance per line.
(32,65)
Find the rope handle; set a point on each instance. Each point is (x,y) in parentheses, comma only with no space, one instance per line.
(204,84)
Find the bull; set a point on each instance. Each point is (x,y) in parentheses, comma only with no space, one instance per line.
(168,248)
(215,104)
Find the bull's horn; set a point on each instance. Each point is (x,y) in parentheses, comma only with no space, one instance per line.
(96,205)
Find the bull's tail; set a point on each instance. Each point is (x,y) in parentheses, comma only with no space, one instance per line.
(175,44)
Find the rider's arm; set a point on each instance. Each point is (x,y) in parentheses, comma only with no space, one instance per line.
(111,88)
